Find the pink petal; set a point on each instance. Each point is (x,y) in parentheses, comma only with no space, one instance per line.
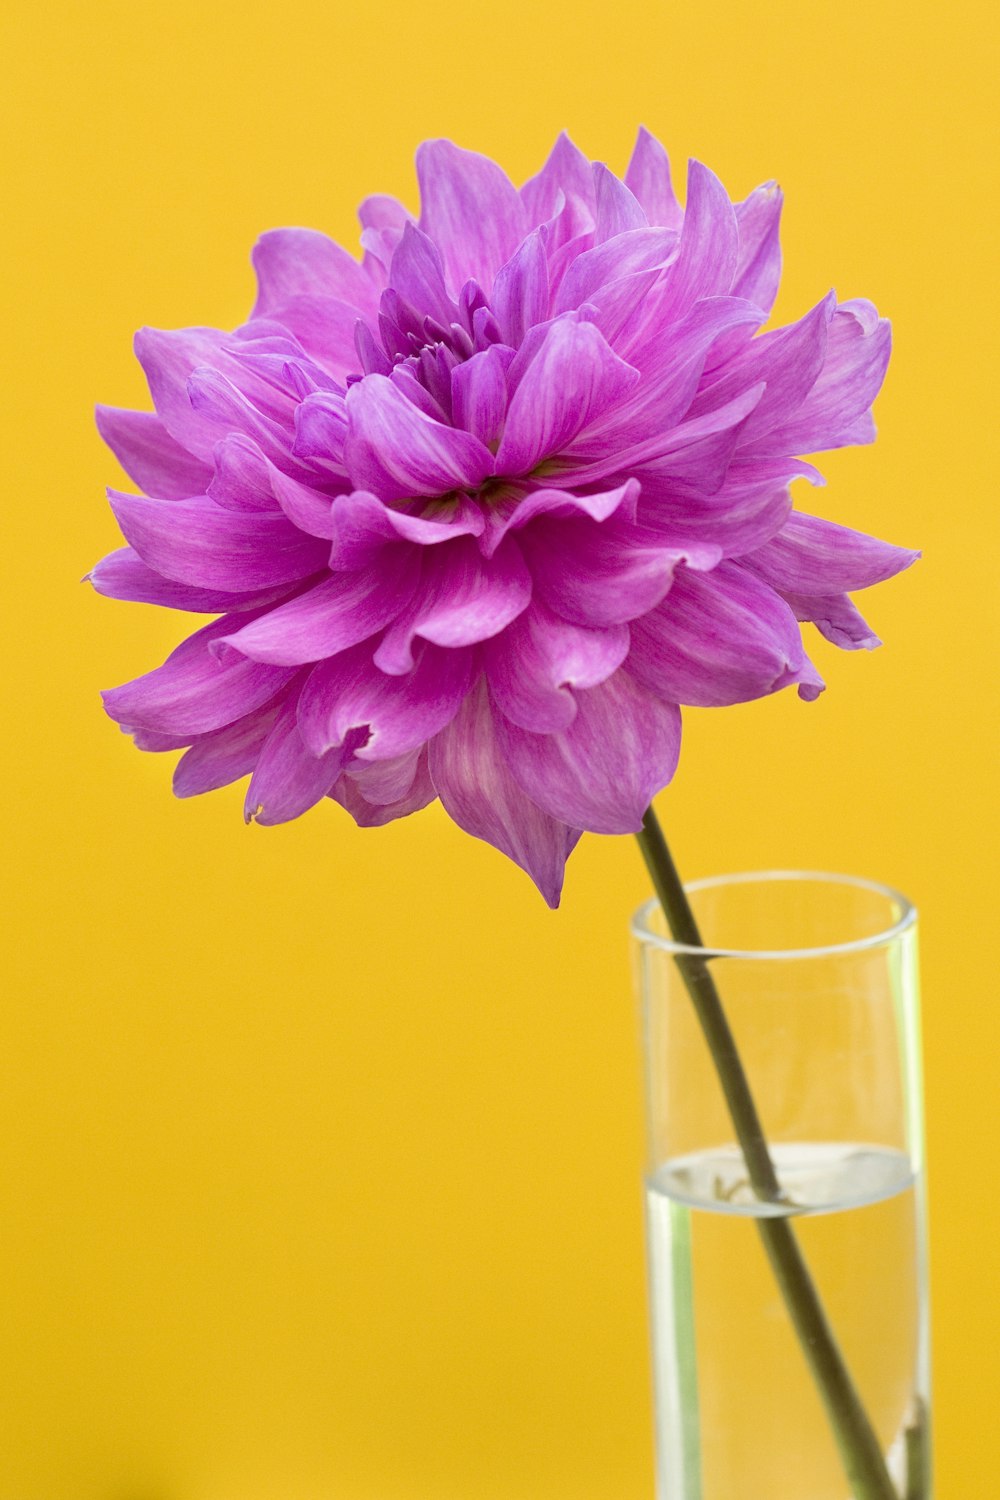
(471,210)
(339,612)
(288,779)
(361,790)
(242,478)
(193,692)
(835,617)
(596,575)
(566,172)
(758,267)
(479,395)
(417,274)
(362,525)
(521,290)
(462,598)
(719,638)
(603,770)
(574,379)
(811,556)
(708,251)
(397,451)
(304,263)
(648,177)
(836,411)
(472,778)
(399,713)
(196,541)
(534,665)
(616,209)
(123,575)
(226,755)
(150,456)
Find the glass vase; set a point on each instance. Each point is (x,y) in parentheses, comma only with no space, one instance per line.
(818,981)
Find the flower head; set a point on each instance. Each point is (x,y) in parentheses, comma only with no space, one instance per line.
(480,512)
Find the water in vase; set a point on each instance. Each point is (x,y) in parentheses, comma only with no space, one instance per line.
(738,1416)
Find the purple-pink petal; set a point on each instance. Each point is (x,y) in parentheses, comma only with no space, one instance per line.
(150,456)
(462,598)
(812,556)
(399,713)
(193,692)
(535,664)
(574,379)
(758,265)
(471,776)
(343,610)
(604,769)
(719,638)
(397,451)
(288,779)
(471,210)
(228,754)
(304,263)
(123,575)
(196,541)
(648,177)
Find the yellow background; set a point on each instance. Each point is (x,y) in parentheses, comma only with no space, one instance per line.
(320,1147)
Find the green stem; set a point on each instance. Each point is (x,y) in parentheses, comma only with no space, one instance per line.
(860,1449)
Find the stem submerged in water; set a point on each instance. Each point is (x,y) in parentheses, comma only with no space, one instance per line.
(860,1450)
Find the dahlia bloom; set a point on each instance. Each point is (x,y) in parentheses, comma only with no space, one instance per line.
(479,512)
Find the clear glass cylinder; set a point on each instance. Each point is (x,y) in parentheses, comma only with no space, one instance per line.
(818,979)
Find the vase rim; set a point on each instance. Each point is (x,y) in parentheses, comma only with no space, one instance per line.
(906,918)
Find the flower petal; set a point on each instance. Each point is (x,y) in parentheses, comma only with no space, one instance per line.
(534,664)
(226,755)
(521,290)
(362,525)
(462,598)
(648,177)
(242,478)
(628,254)
(417,274)
(321,430)
(719,638)
(557,503)
(836,410)
(788,361)
(479,395)
(123,575)
(150,456)
(758,267)
(288,779)
(811,556)
(574,379)
(361,790)
(168,358)
(471,210)
(304,263)
(397,451)
(472,778)
(193,692)
(616,210)
(566,172)
(708,250)
(603,770)
(325,328)
(835,617)
(399,713)
(339,612)
(196,541)
(604,574)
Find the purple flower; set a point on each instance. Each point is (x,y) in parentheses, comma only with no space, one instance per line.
(479,513)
